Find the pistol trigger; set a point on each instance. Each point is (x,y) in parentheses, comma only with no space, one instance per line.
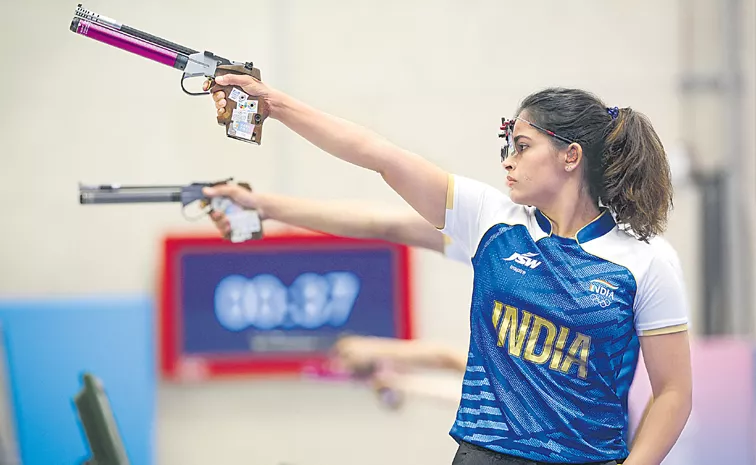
(204,207)
(210,83)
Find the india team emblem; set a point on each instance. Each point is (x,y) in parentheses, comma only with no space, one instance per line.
(602,292)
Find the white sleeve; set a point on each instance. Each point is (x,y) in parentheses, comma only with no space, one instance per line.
(453,251)
(472,207)
(661,303)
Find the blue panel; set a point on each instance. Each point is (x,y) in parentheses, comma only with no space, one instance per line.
(50,342)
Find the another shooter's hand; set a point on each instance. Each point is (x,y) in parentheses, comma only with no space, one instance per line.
(238,195)
(356,352)
(250,85)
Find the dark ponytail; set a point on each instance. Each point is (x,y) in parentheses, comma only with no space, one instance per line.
(625,165)
(637,183)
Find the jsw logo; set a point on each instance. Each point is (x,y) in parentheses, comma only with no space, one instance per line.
(524,259)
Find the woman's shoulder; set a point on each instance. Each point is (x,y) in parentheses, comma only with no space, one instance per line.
(624,248)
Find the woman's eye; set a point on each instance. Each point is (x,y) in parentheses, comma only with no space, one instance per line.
(521,147)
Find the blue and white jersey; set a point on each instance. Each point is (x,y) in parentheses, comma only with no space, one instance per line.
(554,326)
(455,251)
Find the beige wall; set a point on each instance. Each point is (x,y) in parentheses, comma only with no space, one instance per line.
(748,54)
(434,77)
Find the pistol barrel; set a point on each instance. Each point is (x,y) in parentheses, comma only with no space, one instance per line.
(128,43)
(113,194)
(92,17)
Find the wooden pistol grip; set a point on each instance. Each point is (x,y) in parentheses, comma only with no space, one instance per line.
(245,114)
(250,211)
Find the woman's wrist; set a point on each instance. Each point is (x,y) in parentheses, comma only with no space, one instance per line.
(259,204)
(277,103)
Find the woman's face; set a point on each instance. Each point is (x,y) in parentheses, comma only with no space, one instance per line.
(536,168)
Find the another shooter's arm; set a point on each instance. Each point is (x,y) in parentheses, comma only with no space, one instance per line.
(245,222)
(361,350)
(341,218)
(244,117)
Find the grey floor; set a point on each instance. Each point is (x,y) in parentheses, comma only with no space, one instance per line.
(273,422)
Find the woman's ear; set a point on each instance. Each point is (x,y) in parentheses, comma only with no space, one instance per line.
(573,156)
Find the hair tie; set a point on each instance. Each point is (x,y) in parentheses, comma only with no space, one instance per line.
(613,112)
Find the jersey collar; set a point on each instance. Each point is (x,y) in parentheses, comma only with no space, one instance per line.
(600,225)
